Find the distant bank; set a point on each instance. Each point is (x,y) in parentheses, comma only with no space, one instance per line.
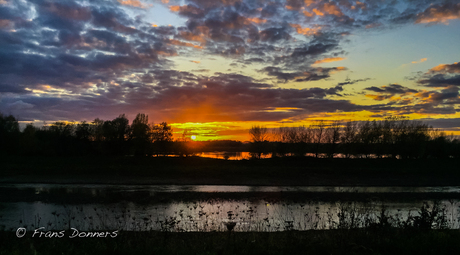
(204,171)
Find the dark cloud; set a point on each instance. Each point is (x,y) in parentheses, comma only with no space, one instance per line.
(440,13)
(440,80)
(274,34)
(62,48)
(96,57)
(443,75)
(445,124)
(184,96)
(350,82)
(392,89)
(310,74)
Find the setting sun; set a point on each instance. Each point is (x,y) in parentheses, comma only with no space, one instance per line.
(193,137)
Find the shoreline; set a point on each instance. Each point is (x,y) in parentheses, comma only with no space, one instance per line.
(202,171)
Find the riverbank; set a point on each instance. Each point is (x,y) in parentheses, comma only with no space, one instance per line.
(204,171)
(354,241)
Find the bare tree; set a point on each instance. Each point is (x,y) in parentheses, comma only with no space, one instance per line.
(318,129)
(333,137)
(259,138)
(349,138)
(258,134)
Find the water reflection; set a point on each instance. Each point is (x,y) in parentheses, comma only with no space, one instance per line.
(208,215)
(144,207)
(98,189)
(245,155)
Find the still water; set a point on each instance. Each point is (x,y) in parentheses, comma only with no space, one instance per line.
(210,208)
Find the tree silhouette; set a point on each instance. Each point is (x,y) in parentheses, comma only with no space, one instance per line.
(162,137)
(259,138)
(141,135)
(9,134)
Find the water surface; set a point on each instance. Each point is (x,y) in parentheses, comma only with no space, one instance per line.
(140,207)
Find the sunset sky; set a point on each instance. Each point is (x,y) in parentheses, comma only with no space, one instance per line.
(218,67)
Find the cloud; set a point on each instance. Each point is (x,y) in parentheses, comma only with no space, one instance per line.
(181,96)
(274,34)
(446,96)
(328,60)
(440,80)
(350,82)
(188,11)
(439,14)
(332,9)
(443,75)
(186,44)
(105,58)
(392,89)
(446,68)
(392,92)
(443,123)
(311,74)
(306,30)
(189,36)
(420,61)
(134,3)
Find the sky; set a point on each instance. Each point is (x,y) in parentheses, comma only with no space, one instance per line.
(218,67)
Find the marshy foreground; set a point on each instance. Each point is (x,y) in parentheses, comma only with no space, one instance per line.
(355,241)
(131,205)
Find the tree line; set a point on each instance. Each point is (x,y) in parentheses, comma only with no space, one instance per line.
(99,137)
(392,137)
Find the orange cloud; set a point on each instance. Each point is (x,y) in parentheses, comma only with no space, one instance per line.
(423,95)
(328,60)
(309,2)
(338,69)
(174,8)
(308,14)
(194,61)
(306,30)
(180,43)
(168,54)
(332,9)
(318,12)
(192,37)
(420,61)
(134,3)
(257,20)
(439,14)
(360,5)
(165,1)
(446,68)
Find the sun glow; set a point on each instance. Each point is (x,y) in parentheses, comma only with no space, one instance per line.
(193,137)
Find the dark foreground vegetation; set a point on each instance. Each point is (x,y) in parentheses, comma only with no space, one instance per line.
(425,233)
(392,137)
(356,241)
(196,170)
